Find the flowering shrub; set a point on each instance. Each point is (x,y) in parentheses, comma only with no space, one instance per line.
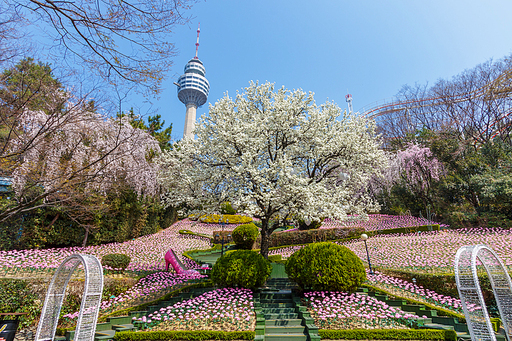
(226,309)
(340,310)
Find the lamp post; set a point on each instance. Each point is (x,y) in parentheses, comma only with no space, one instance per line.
(222,244)
(364,237)
(221,223)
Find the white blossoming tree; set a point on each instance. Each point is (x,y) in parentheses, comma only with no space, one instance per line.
(275,155)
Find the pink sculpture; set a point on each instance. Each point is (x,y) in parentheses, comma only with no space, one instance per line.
(177,265)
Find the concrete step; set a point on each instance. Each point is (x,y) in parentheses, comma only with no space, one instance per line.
(445,320)
(461,328)
(284,330)
(414,308)
(278,310)
(123,327)
(466,336)
(276,300)
(287,322)
(119,319)
(285,337)
(277,305)
(274,295)
(425,321)
(280,316)
(436,326)
(396,303)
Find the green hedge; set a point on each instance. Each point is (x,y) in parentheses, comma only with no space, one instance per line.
(225,218)
(188,254)
(406,230)
(388,334)
(195,234)
(184,335)
(276,259)
(312,236)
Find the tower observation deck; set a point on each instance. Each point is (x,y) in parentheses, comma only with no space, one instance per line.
(193,89)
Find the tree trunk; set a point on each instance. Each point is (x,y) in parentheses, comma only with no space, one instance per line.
(54,220)
(265,238)
(86,235)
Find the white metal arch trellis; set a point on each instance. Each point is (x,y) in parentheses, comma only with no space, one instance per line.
(91,299)
(466,276)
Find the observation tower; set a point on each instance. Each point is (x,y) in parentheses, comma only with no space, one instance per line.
(193,88)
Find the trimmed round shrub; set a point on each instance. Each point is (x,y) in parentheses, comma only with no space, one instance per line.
(245,235)
(116,261)
(226,208)
(312,225)
(241,268)
(326,266)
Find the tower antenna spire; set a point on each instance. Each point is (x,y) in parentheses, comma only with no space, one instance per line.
(197,42)
(348,97)
(193,89)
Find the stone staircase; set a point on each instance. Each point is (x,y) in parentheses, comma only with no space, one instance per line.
(280,315)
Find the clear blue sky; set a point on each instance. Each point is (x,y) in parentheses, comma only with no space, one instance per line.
(368,48)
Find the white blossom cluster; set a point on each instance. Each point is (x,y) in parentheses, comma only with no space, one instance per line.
(275,155)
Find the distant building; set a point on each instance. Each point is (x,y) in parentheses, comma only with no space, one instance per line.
(193,89)
(5,185)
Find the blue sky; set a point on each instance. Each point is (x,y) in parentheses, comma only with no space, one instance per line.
(368,48)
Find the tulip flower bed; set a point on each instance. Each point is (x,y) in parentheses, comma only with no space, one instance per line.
(340,310)
(377,222)
(146,290)
(228,309)
(405,289)
(431,252)
(147,253)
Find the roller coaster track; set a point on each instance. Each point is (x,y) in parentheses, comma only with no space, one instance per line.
(501,87)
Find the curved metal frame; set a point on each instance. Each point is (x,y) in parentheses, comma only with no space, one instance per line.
(91,299)
(470,293)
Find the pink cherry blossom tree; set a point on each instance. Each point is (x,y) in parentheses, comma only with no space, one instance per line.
(418,169)
(60,156)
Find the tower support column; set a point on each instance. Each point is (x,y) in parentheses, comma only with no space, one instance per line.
(190,120)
